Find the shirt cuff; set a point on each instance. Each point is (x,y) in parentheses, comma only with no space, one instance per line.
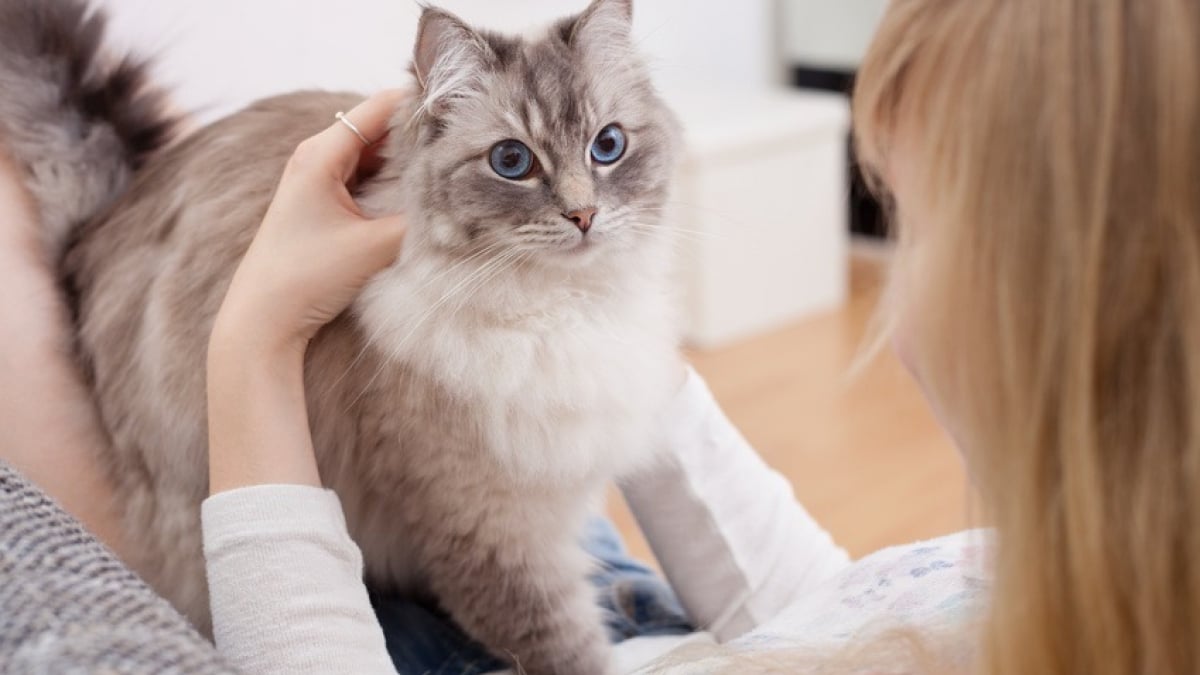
(271,511)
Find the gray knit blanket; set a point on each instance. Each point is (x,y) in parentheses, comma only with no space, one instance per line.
(67,605)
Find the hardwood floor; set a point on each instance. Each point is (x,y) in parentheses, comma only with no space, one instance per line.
(864,454)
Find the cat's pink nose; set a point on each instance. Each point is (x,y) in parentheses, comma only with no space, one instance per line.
(582,218)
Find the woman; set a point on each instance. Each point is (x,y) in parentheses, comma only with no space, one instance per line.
(1043,159)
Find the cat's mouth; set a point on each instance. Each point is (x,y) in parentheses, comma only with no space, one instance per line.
(582,246)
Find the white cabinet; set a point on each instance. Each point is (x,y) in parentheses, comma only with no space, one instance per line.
(828,34)
(761,206)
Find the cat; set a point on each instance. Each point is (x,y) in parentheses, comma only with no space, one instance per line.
(472,405)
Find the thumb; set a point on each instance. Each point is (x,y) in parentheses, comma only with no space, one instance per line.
(385,237)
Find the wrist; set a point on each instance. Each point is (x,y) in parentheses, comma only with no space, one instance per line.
(258,422)
(249,342)
(242,369)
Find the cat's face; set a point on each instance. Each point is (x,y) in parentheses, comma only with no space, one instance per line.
(554,147)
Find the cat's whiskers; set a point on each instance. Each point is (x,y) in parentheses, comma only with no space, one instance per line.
(672,204)
(674,233)
(667,233)
(679,245)
(468,286)
(673,207)
(657,211)
(516,256)
(441,274)
(386,324)
(432,309)
(673,229)
(474,282)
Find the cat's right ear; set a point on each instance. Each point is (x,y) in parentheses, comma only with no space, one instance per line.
(604,31)
(448,53)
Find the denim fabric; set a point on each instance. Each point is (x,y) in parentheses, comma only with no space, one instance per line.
(636,602)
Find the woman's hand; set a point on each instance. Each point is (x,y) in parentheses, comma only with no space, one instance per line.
(315,251)
(311,257)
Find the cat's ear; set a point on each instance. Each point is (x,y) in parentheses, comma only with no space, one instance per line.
(447,57)
(604,25)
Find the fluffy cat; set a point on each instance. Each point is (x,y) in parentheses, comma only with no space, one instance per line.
(473,404)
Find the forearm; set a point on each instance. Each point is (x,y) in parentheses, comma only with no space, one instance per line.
(286,585)
(258,418)
(51,433)
(285,579)
(49,428)
(727,529)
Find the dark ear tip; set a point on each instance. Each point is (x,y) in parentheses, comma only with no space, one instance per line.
(430,12)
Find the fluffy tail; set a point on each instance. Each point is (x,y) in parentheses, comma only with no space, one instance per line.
(76,118)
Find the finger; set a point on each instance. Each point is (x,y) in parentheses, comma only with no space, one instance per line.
(387,238)
(370,162)
(337,149)
(391,230)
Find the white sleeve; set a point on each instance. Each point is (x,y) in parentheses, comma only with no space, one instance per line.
(285,584)
(727,529)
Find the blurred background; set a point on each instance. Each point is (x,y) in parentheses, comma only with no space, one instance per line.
(782,253)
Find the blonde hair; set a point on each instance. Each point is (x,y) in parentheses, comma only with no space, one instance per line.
(1058,293)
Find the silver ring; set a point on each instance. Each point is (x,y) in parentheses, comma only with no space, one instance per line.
(341,117)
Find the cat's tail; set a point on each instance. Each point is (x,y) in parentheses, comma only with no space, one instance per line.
(76,118)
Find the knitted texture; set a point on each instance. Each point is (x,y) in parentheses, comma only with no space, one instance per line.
(67,605)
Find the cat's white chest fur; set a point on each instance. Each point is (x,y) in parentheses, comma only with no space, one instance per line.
(565,384)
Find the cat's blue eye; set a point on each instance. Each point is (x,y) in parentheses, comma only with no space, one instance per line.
(610,145)
(513,160)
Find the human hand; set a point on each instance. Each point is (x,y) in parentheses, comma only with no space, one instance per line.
(313,254)
(315,250)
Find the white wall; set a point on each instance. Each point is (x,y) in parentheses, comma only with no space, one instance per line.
(828,33)
(780,175)
(221,54)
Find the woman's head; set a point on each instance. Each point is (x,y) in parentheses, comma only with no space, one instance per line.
(1044,159)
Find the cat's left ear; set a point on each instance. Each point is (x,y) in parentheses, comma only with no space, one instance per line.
(605,26)
(447,56)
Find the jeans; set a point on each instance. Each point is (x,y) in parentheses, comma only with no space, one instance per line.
(422,639)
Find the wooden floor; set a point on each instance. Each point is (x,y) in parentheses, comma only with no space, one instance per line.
(864,454)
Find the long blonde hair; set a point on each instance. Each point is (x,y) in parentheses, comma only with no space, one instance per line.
(1058,289)
(1053,315)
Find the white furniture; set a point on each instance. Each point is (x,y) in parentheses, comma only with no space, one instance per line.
(824,34)
(761,206)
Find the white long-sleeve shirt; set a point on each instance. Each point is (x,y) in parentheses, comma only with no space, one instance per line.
(748,562)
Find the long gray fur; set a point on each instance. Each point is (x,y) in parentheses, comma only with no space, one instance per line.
(80,121)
